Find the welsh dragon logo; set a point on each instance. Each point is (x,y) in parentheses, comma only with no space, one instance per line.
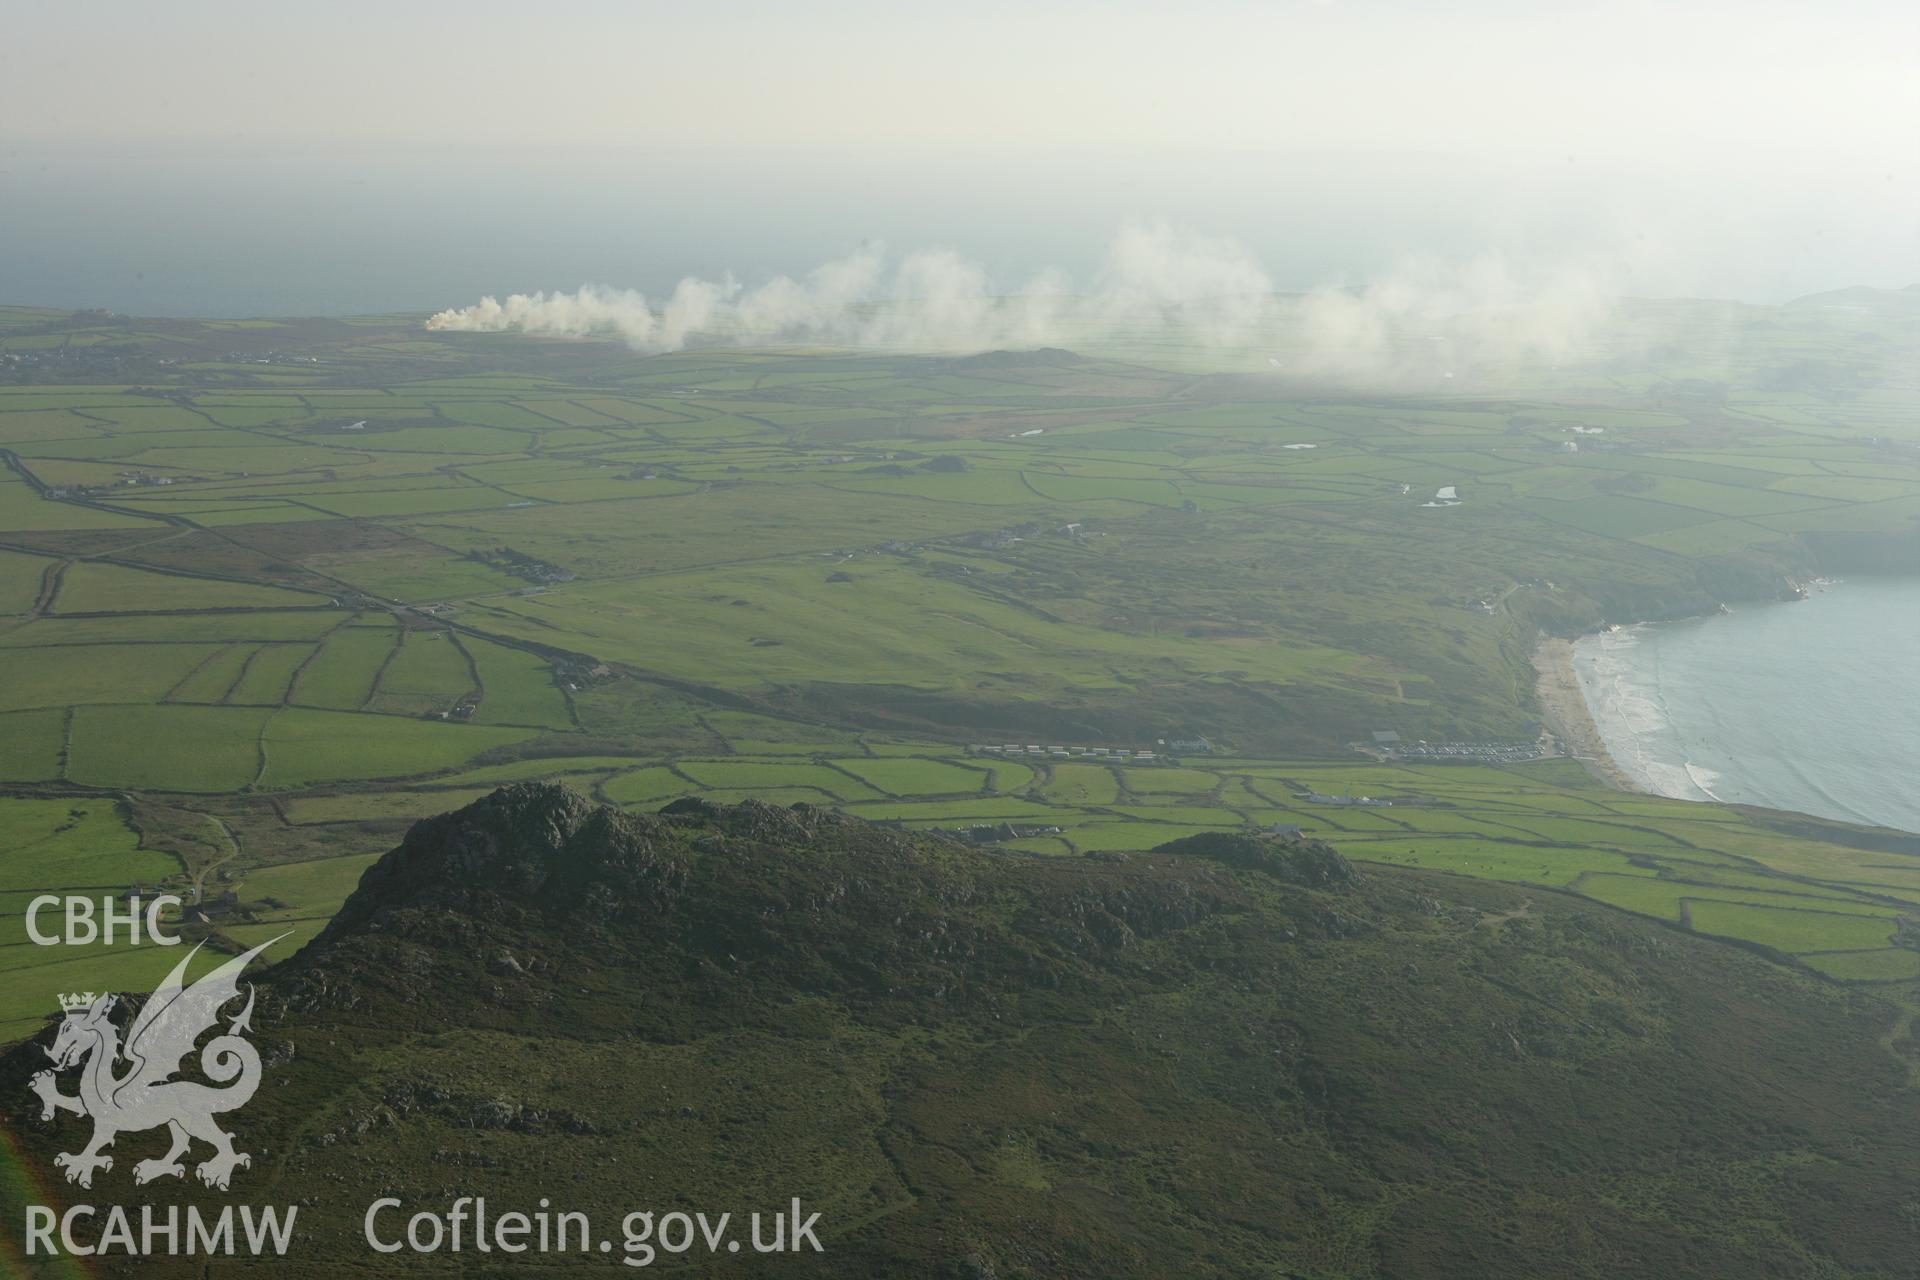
(144,1095)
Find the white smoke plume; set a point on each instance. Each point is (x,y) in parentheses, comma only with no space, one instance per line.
(1155,282)
(1435,316)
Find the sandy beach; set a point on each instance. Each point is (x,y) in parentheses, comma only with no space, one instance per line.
(1564,708)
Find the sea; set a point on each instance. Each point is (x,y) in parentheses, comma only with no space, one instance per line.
(1810,705)
(238,227)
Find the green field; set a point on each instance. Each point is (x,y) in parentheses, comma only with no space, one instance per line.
(837,579)
(915,777)
(109,588)
(68,847)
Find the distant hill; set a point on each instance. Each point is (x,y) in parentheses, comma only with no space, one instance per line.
(1234,1056)
(1863,297)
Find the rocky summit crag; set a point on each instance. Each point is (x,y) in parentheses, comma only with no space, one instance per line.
(1231,1056)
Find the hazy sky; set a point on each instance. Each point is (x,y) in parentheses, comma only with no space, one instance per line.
(1747,147)
(1621,77)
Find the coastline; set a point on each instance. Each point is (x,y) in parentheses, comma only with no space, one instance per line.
(1564,709)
